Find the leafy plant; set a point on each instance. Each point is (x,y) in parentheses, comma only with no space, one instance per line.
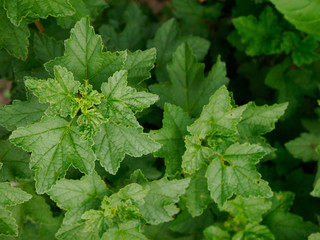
(183,120)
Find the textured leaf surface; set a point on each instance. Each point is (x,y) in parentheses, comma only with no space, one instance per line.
(195,154)
(188,87)
(59,92)
(11,196)
(304,14)
(250,209)
(17,10)
(128,231)
(254,231)
(171,136)
(122,102)
(114,141)
(162,195)
(138,64)
(84,56)
(235,172)
(258,120)
(51,159)
(218,117)
(78,196)
(76,232)
(21,114)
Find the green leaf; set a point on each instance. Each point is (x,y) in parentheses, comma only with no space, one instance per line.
(303,51)
(314,236)
(78,196)
(122,134)
(218,117)
(14,39)
(171,136)
(261,36)
(122,102)
(17,11)
(11,196)
(186,224)
(195,154)
(254,231)
(168,38)
(8,226)
(197,194)
(21,114)
(59,92)
(250,209)
(51,159)
(234,172)
(304,14)
(95,221)
(38,209)
(216,233)
(139,64)
(128,231)
(76,232)
(132,33)
(316,190)
(46,48)
(166,41)
(188,87)
(304,147)
(259,120)
(82,8)
(160,201)
(84,56)
(282,78)
(114,141)
(16,162)
(285,225)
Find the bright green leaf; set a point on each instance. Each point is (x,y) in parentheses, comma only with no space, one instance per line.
(51,159)
(303,14)
(234,172)
(59,92)
(78,196)
(114,141)
(218,117)
(84,56)
(160,199)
